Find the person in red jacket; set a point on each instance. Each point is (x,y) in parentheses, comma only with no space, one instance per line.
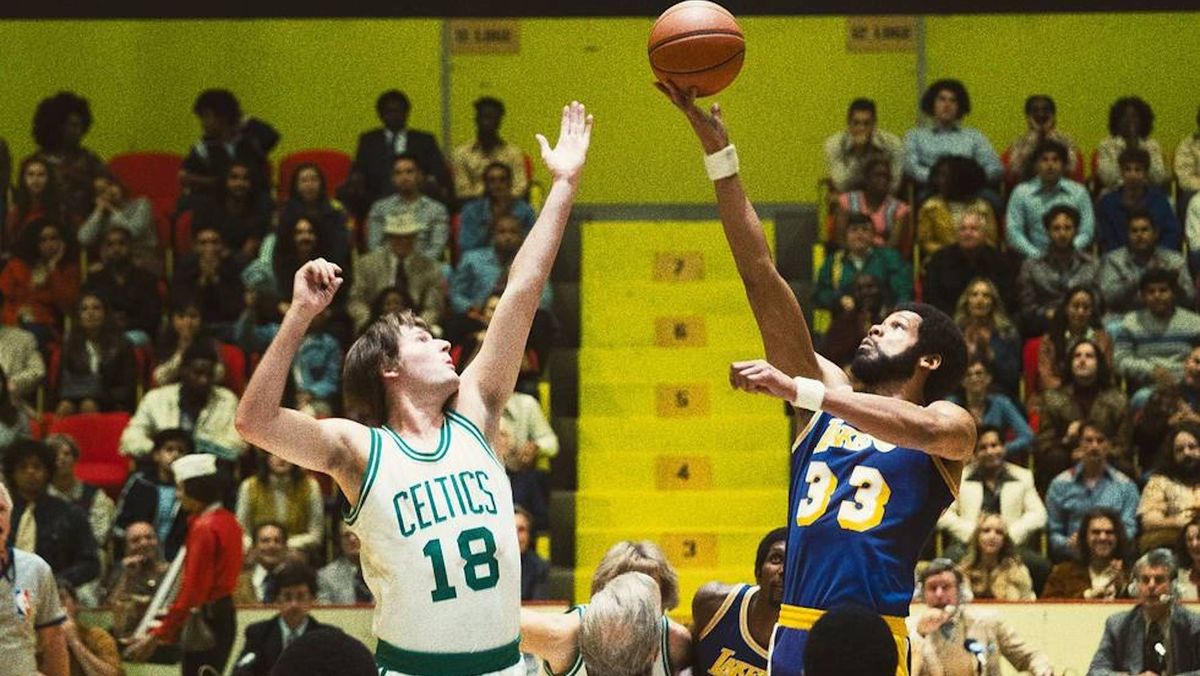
(211,564)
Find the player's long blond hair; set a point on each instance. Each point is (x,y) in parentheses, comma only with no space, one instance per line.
(362,381)
(643,557)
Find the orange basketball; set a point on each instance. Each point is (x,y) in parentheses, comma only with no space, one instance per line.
(697,44)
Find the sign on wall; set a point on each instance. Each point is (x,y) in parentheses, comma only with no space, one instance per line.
(881,34)
(485,36)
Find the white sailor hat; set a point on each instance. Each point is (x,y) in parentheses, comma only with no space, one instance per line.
(194,465)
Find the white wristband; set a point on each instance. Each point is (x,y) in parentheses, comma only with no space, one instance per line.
(722,164)
(810,394)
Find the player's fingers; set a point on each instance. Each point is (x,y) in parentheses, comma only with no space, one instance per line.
(543,144)
(587,127)
(564,126)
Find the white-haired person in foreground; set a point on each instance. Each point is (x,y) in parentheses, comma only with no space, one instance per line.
(610,636)
(620,633)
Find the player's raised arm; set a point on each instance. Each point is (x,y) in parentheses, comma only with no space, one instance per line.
(489,380)
(325,445)
(785,334)
(940,428)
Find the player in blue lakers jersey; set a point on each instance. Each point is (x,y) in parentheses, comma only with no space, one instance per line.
(430,499)
(870,471)
(733,623)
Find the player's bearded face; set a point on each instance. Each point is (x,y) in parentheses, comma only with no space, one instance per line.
(872,366)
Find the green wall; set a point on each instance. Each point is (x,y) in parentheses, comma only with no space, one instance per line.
(317,79)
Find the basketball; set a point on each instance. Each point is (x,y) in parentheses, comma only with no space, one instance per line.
(697,44)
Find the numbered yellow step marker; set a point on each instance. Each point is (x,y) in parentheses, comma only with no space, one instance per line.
(679,400)
(683,472)
(690,550)
(678,266)
(680,331)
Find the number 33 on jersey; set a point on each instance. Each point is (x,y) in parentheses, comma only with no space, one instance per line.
(860,511)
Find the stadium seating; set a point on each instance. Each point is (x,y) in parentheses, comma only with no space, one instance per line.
(99,435)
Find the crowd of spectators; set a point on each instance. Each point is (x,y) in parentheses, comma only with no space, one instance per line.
(1074,285)
(95,318)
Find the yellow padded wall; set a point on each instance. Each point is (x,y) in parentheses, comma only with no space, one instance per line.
(792,91)
(316,81)
(1086,61)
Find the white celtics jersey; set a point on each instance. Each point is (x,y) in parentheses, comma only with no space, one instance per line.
(439,552)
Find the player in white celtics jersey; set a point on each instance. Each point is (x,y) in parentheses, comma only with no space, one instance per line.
(429,499)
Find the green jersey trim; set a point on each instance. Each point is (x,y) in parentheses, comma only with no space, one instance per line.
(368,479)
(578,664)
(416,663)
(420,456)
(474,432)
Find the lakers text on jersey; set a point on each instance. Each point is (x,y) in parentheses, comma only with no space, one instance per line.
(726,647)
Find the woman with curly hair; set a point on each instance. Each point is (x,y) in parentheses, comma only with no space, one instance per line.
(1077,318)
(989,332)
(992,564)
(59,125)
(945,103)
(1130,123)
(41,282)
(35,196)
(1171,498)
(96,369)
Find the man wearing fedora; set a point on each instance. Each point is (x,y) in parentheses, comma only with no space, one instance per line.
(401,265)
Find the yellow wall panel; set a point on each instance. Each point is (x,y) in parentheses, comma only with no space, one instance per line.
(317,81)
(1085,61)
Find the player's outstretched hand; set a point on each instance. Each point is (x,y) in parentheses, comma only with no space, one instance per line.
(565,160)
(759,377)
(708,126)
(314,286)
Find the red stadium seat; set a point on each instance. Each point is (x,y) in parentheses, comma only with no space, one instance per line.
(52,364)
(335,164)
(155,176)
(235,368)
(1029,363)
(99,438)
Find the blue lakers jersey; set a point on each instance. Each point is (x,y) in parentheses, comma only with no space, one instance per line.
(726,647)
(861,510)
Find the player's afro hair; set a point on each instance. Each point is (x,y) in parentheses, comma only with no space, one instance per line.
(938,334)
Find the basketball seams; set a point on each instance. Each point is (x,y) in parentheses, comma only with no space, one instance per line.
(702,32)
(705,69)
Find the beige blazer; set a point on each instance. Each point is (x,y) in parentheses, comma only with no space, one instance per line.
(1020,506)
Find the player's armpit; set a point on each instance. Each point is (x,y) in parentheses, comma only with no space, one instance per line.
(679,646)
(832,375)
